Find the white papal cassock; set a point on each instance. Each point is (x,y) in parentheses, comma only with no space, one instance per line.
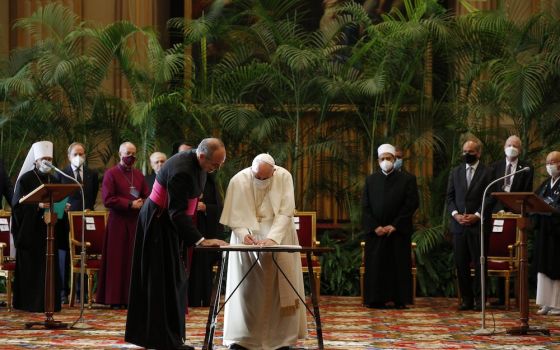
(264,313)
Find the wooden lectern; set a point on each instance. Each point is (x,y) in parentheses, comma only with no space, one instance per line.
(524,203)
(50,193)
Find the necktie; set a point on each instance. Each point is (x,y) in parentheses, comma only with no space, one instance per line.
(78,177)
(507,181)
(470,171)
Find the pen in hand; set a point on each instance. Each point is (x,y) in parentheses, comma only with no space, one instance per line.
(248,239)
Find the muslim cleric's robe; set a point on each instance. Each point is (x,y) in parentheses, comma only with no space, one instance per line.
(29,231)
(114,275)
(388,200)
(158,289)
(265,312)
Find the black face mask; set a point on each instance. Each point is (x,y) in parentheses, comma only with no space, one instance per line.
(469,158)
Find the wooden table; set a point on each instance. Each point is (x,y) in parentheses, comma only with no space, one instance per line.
(215,307)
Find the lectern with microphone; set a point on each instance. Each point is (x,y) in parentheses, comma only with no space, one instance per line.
(524,203)
(50,193)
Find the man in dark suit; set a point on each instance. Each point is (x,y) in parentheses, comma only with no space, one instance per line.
(522,182)
(465,189)
(6,189)
(89,180)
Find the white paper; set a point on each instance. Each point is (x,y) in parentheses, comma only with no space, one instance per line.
(90,227)
(3,221)
(90,220)
(498,229)
(499,222)
(5,228)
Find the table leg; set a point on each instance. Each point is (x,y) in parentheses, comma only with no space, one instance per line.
(315,301)
(214,304)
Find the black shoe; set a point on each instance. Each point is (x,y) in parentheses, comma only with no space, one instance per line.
(376,306)
(237,347)
(401,306)
(477,307)
(184,347)
(465,306)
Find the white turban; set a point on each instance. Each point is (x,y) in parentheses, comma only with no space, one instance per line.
(386,148)
(262,158)
(39,150)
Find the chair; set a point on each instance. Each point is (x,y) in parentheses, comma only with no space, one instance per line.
(7,264)
(94,234)
(306,227)
(503,257)
(413,270)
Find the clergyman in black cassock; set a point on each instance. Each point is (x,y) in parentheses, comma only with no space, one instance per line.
(29,231)
(202,263)
(389,201)
(158,288)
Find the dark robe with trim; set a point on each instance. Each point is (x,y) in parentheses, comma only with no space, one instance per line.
(208,223)
(30,231)
(547,243)
(158,288)
(388,200)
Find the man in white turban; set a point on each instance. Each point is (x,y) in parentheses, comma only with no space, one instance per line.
(389,201)
(265,312)
(29,230)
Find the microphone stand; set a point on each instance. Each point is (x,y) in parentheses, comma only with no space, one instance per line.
(80,322)
(482,330)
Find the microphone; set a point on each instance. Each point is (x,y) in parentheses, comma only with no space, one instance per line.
(83,251)
(483,330)
(49,164)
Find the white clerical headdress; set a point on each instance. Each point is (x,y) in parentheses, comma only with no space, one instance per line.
(38,150)
(262,158)
(385,148)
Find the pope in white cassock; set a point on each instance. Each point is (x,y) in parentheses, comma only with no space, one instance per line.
(265,312)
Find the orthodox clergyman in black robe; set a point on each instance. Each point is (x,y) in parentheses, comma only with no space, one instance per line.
(29,231)
(208,223)
(158,288)
(389,201)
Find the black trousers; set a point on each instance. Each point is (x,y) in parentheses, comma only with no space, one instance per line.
(466,247)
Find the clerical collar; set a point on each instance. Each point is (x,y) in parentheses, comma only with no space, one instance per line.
(124,167)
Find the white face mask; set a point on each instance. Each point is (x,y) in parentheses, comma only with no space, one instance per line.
(511,151)
(552,170)
(262,184)
(77,161)
(386,165)
(44,169)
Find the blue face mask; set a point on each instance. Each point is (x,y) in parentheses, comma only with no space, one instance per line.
(398,164)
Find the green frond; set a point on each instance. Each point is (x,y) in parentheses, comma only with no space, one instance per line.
(53,20)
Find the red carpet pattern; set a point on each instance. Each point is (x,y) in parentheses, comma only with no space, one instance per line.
(433,323)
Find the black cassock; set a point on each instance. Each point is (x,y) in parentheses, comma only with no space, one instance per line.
(388,200)
(200,279)
(547,243)
(30,231)
(158,287)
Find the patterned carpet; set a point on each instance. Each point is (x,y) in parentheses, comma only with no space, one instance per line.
(433,323)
